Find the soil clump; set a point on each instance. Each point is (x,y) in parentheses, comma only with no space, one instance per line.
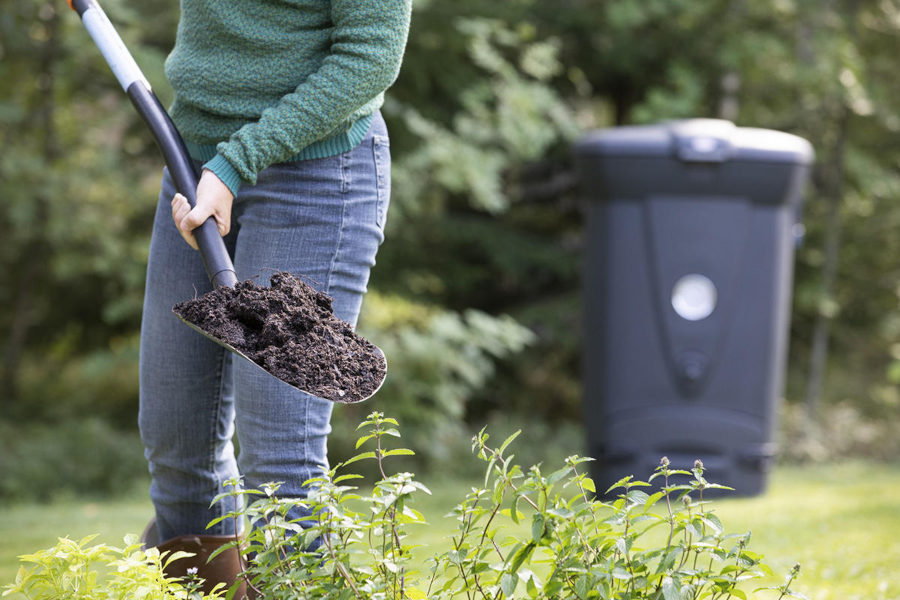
(290,330)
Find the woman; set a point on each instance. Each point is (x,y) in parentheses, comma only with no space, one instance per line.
(278,100)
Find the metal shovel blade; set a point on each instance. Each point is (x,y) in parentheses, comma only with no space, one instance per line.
(339,396)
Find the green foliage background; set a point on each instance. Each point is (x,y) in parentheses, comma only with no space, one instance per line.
(476,294)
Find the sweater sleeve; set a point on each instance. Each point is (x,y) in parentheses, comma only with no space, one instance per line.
(368,41)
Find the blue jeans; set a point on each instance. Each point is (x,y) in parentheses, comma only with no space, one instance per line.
(321,219)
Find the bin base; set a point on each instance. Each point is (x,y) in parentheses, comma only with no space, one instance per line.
(747,477)
(735,451)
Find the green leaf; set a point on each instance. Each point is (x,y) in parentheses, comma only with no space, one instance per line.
(668,561)
(364,439)
(508,441)
(508,584)
(588,484)
(619,483)
(537,527)
(390,566)
(413,514)
(692,529)
(363,456)
(176,555)
(717,486)
(514,513)
(582,586)
(497,495)
(520,556)
(562,513)
(534,584)
(638,497)
(553,588)
(653,499)
(670,589)
(558,475)
(397,452)
(515,516)
(713,522)
(750,558)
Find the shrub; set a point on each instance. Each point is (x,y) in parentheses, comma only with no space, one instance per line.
(81,456)
(74,570)
(438,361)
(577,545)
(653,543)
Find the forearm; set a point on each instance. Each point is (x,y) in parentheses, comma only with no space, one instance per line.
(368,40)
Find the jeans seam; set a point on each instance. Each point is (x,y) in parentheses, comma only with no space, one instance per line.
(345,190)
(217,408)
(306,451)
(379,177)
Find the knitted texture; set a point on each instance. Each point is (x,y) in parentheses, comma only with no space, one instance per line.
(259,82)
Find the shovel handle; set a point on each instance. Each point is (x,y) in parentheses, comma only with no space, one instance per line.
(215,256)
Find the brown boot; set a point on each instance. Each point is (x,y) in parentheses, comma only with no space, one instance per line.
(225,568)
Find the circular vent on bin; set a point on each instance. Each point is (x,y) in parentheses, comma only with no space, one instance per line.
(694,297)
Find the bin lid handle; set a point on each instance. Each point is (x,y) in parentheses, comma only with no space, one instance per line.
(703,140)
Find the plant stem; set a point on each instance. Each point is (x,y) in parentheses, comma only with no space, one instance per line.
(341,568)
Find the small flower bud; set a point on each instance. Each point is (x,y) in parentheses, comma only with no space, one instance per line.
(698,464)
(664,461)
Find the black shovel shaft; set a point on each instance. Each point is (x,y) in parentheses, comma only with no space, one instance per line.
(215,256)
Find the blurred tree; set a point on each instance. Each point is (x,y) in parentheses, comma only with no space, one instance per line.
(484,212)
(75,168)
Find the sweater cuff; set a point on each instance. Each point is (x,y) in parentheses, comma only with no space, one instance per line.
(226,172)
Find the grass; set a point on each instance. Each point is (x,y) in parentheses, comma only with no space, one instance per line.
(841,522)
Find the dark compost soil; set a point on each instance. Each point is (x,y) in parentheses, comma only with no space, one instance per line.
(289,329)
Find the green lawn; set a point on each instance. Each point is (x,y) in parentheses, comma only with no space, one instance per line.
(842,523)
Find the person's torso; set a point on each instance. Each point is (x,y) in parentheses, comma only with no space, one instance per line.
(234,58)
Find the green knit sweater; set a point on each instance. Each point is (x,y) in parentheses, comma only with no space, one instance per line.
(258,82)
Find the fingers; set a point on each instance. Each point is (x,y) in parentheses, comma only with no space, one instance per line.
(196,217)
(180,210)
(214,199)
(187,219)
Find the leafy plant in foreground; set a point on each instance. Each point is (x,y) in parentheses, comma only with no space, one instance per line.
(519,534)
(75,570)
(659,545)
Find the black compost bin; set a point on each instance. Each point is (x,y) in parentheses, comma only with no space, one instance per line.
(691,230)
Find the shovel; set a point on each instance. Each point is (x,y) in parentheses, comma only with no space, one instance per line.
(216,260)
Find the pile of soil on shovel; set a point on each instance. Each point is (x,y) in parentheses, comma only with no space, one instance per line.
(290,330)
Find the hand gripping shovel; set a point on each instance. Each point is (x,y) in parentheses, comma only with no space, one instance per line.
(215,257)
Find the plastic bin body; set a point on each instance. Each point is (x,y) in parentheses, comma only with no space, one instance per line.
(691,230)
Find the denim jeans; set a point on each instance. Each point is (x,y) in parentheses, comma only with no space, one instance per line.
(320,219)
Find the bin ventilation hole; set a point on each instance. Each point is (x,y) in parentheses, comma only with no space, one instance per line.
(694,297)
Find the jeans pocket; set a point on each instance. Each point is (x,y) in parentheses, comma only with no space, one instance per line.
(381,148)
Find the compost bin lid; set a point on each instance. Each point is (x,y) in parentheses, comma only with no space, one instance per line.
(697,140)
